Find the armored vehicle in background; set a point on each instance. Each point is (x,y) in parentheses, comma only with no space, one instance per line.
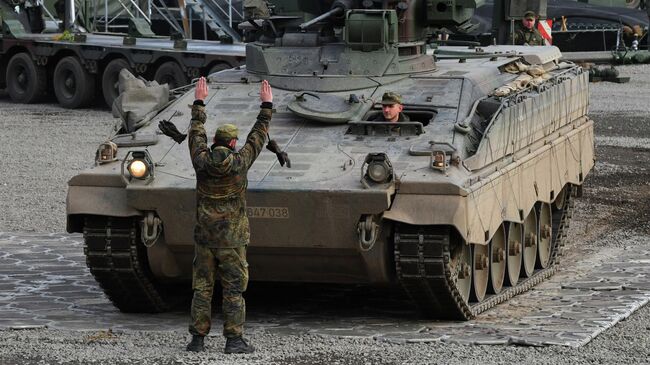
(464,206)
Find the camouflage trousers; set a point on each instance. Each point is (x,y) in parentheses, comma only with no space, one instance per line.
(230,265)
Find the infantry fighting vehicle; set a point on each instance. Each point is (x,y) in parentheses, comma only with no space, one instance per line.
(464,206)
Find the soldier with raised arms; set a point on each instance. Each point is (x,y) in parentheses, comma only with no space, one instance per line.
(222,231)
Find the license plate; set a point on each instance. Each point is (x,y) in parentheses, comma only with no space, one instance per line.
(268,212)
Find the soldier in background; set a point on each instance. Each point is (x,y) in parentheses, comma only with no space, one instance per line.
(256,9)
(392,107)
(222,232)
(526,33)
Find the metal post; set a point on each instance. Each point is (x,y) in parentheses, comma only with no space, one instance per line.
(106,16)
(189,13)
(70,14)
(205,25)
(230,13)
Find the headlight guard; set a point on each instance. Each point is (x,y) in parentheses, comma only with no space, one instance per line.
(138,165)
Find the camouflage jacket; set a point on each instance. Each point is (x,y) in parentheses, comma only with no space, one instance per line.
(527,36)
(221,182)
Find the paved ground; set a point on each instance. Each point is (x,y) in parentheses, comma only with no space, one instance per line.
(45,284)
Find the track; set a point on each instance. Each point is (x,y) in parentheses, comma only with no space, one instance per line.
(426,269)
(119,264)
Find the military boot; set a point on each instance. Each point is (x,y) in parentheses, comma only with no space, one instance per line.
(196,345)
(237,345)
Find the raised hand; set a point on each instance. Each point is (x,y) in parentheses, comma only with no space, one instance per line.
(201,90)
(266,94)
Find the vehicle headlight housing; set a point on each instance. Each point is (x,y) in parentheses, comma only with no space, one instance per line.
(376,169)
(138,165)
(106,152)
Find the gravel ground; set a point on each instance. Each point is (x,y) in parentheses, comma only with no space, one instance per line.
(42,146)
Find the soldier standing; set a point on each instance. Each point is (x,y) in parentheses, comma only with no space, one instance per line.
(526,33)
(222,231)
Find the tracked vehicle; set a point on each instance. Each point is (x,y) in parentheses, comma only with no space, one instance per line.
(464,206)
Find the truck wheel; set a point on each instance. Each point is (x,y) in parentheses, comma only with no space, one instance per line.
(171,73)
(111,78)
(73,85)
(26,82)
(220,66)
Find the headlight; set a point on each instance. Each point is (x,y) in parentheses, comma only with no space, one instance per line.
(138,165)
(376,169)
(138,169)
(106,152)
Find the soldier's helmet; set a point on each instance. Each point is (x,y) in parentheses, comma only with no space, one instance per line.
(530,15)
(391,98)
(226,132)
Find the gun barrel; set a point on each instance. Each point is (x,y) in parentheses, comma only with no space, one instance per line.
(336,11)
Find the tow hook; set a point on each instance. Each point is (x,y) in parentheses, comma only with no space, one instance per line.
(150,227)
(368,231)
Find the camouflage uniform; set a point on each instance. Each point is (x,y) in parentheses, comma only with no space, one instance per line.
(222,231)
(527,36)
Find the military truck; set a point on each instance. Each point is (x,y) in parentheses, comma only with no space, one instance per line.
(463,206)
(81,66)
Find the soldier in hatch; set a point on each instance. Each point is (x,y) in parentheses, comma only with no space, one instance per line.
(391,107)
(222,232)
(526,33)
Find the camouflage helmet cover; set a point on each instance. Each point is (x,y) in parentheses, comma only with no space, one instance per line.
(391,98)
(226,132)
(530,15)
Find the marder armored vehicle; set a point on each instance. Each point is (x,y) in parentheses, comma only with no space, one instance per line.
(463,206)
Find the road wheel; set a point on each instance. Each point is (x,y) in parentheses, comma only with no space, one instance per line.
(498,254)
(111,78)
(513,259)
(171,73)
(530,244)
(73,85)
(26,82)
(480,271)
(545,236)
